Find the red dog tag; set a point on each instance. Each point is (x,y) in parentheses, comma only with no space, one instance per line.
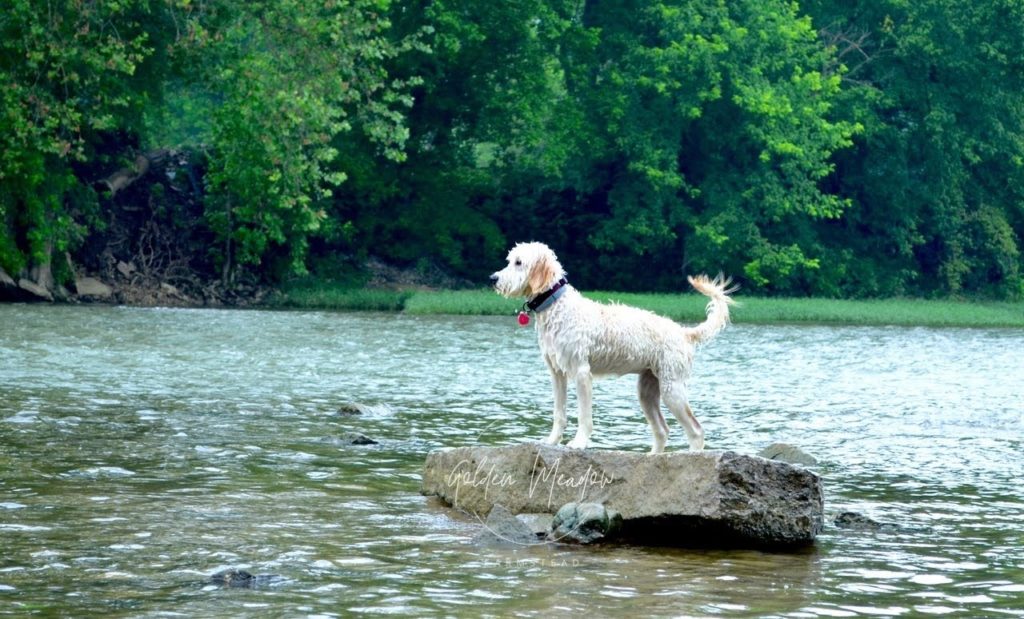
(524,319)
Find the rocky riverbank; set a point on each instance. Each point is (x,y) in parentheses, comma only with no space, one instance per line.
(135,282)
(125,283)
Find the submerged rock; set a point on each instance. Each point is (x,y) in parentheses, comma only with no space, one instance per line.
(241,579)
(502,527)
(860,522)
(783,452)
(585,523)
(709,498)
(540,524)
(232,578)
(351,409)
(355,438)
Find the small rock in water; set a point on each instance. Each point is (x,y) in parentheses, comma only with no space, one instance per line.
(351,408)
(232,578)
(355,438)
(788,454)
(347,409)
(853,520)
(241,579)
(540,524)
(503,527)
(584,523)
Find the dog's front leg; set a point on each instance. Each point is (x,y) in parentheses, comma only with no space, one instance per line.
(584,397)
(561,385)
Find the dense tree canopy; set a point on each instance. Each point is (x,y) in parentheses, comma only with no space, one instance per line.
(73,75)
(865,148)
(936,178)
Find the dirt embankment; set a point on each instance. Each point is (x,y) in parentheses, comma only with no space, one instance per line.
(149,248)
(154,247)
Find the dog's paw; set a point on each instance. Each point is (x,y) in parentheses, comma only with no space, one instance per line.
(578,443)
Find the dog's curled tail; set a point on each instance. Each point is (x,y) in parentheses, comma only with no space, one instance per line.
(718,289)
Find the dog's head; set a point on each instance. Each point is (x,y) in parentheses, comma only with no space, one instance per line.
(532,269)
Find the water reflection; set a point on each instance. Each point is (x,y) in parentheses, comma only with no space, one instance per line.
(144,450)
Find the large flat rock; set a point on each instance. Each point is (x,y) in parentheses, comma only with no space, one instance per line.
(6,280)
(35,290)
(92,288)
(711,498)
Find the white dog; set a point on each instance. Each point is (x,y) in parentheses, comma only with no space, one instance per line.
(580,339)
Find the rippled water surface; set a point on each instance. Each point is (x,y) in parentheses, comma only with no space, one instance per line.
(142,450)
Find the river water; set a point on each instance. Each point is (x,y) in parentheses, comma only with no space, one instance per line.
(142,450)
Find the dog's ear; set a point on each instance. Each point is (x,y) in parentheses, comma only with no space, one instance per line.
(541,274)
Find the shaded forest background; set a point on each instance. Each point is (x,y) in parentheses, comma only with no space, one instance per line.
(843,149)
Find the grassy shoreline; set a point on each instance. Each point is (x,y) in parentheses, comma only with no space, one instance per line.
(687,308)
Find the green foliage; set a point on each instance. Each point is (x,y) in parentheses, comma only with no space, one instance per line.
(713,113)
(872,148)
(71,72)
(485,112)
(936,179)
(283,81)
(640,131)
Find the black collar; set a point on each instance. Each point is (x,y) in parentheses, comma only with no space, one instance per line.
(540,302)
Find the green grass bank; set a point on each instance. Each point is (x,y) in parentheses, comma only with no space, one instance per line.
(687,307)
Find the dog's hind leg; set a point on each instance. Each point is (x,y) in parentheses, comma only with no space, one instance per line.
(674,395)
(584,398)
(649,391)
(560,385)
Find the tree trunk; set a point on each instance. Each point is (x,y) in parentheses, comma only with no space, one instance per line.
(41,272)
(126,176)
(226,274)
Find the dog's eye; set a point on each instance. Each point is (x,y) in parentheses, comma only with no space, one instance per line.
(519,262)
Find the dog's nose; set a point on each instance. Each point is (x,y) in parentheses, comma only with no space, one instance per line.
(494,278)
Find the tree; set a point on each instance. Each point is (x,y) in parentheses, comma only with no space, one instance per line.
(487,113)
(281,82)
(716,124)
(73,73)
(936,179)
(872,148)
